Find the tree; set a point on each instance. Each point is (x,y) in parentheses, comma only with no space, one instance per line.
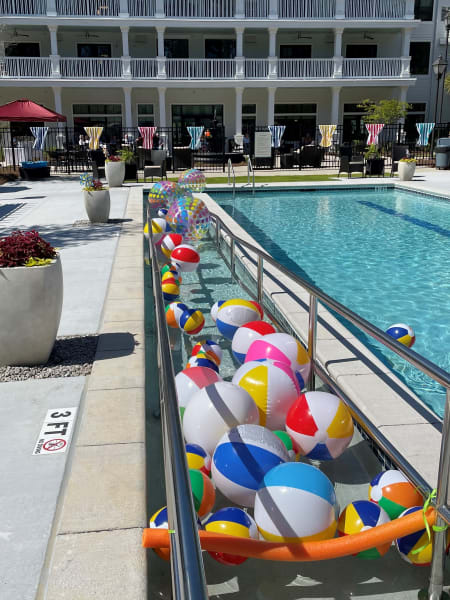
(384,111)
(447,84)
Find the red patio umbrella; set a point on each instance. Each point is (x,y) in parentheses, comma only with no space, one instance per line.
(27,110)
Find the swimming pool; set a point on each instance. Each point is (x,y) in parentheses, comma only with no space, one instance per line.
(382,252)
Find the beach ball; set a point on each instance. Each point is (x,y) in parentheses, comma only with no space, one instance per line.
(190,217)
(320,425)
(190,381)
(242,458)
(160,228)
(191,321)
(146,231)
(168,267)
(258,307)
(215,309)
(169,242)
(171,277)
(419,540)
(287,441)
(362,515)
(247,334)
(162,212)
(295,502)
(160,520)
(231,521)
(212,350)
(402,333)
(214,410)
(203,492)
(193,180)
(393,492)
(185,258)
(170,290)
(163,193)
(284,348)
(173,313)
(198,459)
(201,360)
(274,388)
(235,313)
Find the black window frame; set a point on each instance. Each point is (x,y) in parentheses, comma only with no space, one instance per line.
(420,58)
(423,10)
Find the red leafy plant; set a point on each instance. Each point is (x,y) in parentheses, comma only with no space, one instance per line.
(25,248)
(113,158)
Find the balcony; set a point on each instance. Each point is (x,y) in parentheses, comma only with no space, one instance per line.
(186,69)
(215,9)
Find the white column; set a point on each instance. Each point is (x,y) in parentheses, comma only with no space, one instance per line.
(406,39)
(403,95)
(338,42)
(160,32)
(57,97)
(273,9)
(162,106)
(125,47)
(273,41)
(128,113)
(238,110)
(340,9)
(239,41)
(271,105)
(53,29)
(335,95)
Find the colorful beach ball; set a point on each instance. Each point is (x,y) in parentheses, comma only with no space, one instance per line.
(171,276)
(215,309)
(402,333)
(214,410)
(201,360)
(287,441)
(295,502)
(185,258)
(231,521)
(191,321)
(274,388)
(162,212)
(169,242)
(362,515)
(247,334)
(193,180)
(233,314)
(197,458)
(320,425)
(160,520)
(170,290)
(160,228)
(189,381)
(242,458)
(174,310)
(212,350)
(168,267)
(203,492)
(393,492)
(416,548)
(190,217)
(163,193)
(284,348)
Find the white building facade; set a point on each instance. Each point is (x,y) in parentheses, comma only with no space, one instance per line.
(236,63)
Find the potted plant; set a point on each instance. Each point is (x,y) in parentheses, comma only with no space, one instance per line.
(406,168)
(31,295)
(96,199)
(129,158)
(114,171)
(374,162)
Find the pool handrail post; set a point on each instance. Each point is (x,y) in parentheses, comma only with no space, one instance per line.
(231,171)
(260,278)
(312,337)
(440,537)
(232,257)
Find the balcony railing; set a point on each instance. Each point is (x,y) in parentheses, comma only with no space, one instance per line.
(144,68)
(372,67)
(23,7)
(256,9)
(25,68)
(141,8)
(306,9)
(200,68)
(89,8)
(256,68)
(204,9)
(91,68)
(305,68)
(375,9)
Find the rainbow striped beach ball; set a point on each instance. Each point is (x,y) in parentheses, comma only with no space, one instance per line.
(170,290)
(231,521)
(393,492)
(160,520)
(160,228)
(174,310)
(233,314)
(203,492)
(190,381)
(287,441)
(402,333)
(295,503)
(169,242)
(202,360)
(246,335)
(199,459)
(210,348)
(361,515)
(215,309)
(192,321)
(185,258)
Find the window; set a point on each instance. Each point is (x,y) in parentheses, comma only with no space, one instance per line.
(416,114)
(208,115)
(353,124)
(97,109)
(220,48)
(108,116)
(361,51)
(299,120)
(176,48)
(248,118)
(423,10)
(295,51)
(94,50)
(146,117)
(22,49)
(420,57)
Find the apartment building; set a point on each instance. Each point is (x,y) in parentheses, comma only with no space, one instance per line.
(237,63)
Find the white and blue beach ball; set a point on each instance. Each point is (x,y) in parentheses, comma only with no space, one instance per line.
(215,309)
(246,335)
(241,459)
(235,313)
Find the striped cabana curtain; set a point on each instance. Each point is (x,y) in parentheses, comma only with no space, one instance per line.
(94,134)
(40,133)
(374,130)
(424,130)
(326,132)
(196,136)
(147,136)
(277,133)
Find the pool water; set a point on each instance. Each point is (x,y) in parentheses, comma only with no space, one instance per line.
(384,253)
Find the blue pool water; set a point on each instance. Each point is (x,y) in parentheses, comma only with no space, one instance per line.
(383,253)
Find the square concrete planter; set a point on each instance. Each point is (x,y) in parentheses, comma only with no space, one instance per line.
(30,310)
(97,204)
(406,170)
(115,173)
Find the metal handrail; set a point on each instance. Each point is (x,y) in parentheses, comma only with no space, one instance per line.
(188,576)
(231,172)
(421,363)
(251,170)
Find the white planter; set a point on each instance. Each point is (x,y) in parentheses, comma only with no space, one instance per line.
(115,173)
(406,170)
(30,310)
(97,205)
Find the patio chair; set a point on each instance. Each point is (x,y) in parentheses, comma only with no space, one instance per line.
(353,164)
(157,166)
(310,155)
(398,152)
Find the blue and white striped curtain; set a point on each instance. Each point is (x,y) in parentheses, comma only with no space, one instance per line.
(196,136)
(40,133)
(277,133)
(424,130)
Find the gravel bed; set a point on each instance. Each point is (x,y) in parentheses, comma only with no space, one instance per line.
(71,356)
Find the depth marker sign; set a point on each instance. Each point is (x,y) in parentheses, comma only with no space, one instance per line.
(56,431)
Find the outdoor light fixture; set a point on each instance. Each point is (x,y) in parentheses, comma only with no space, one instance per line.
(439,68)
(446,20)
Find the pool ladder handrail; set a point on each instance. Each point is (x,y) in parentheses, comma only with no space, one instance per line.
(412,357)
(231,172)
(185,552)
(250,171)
